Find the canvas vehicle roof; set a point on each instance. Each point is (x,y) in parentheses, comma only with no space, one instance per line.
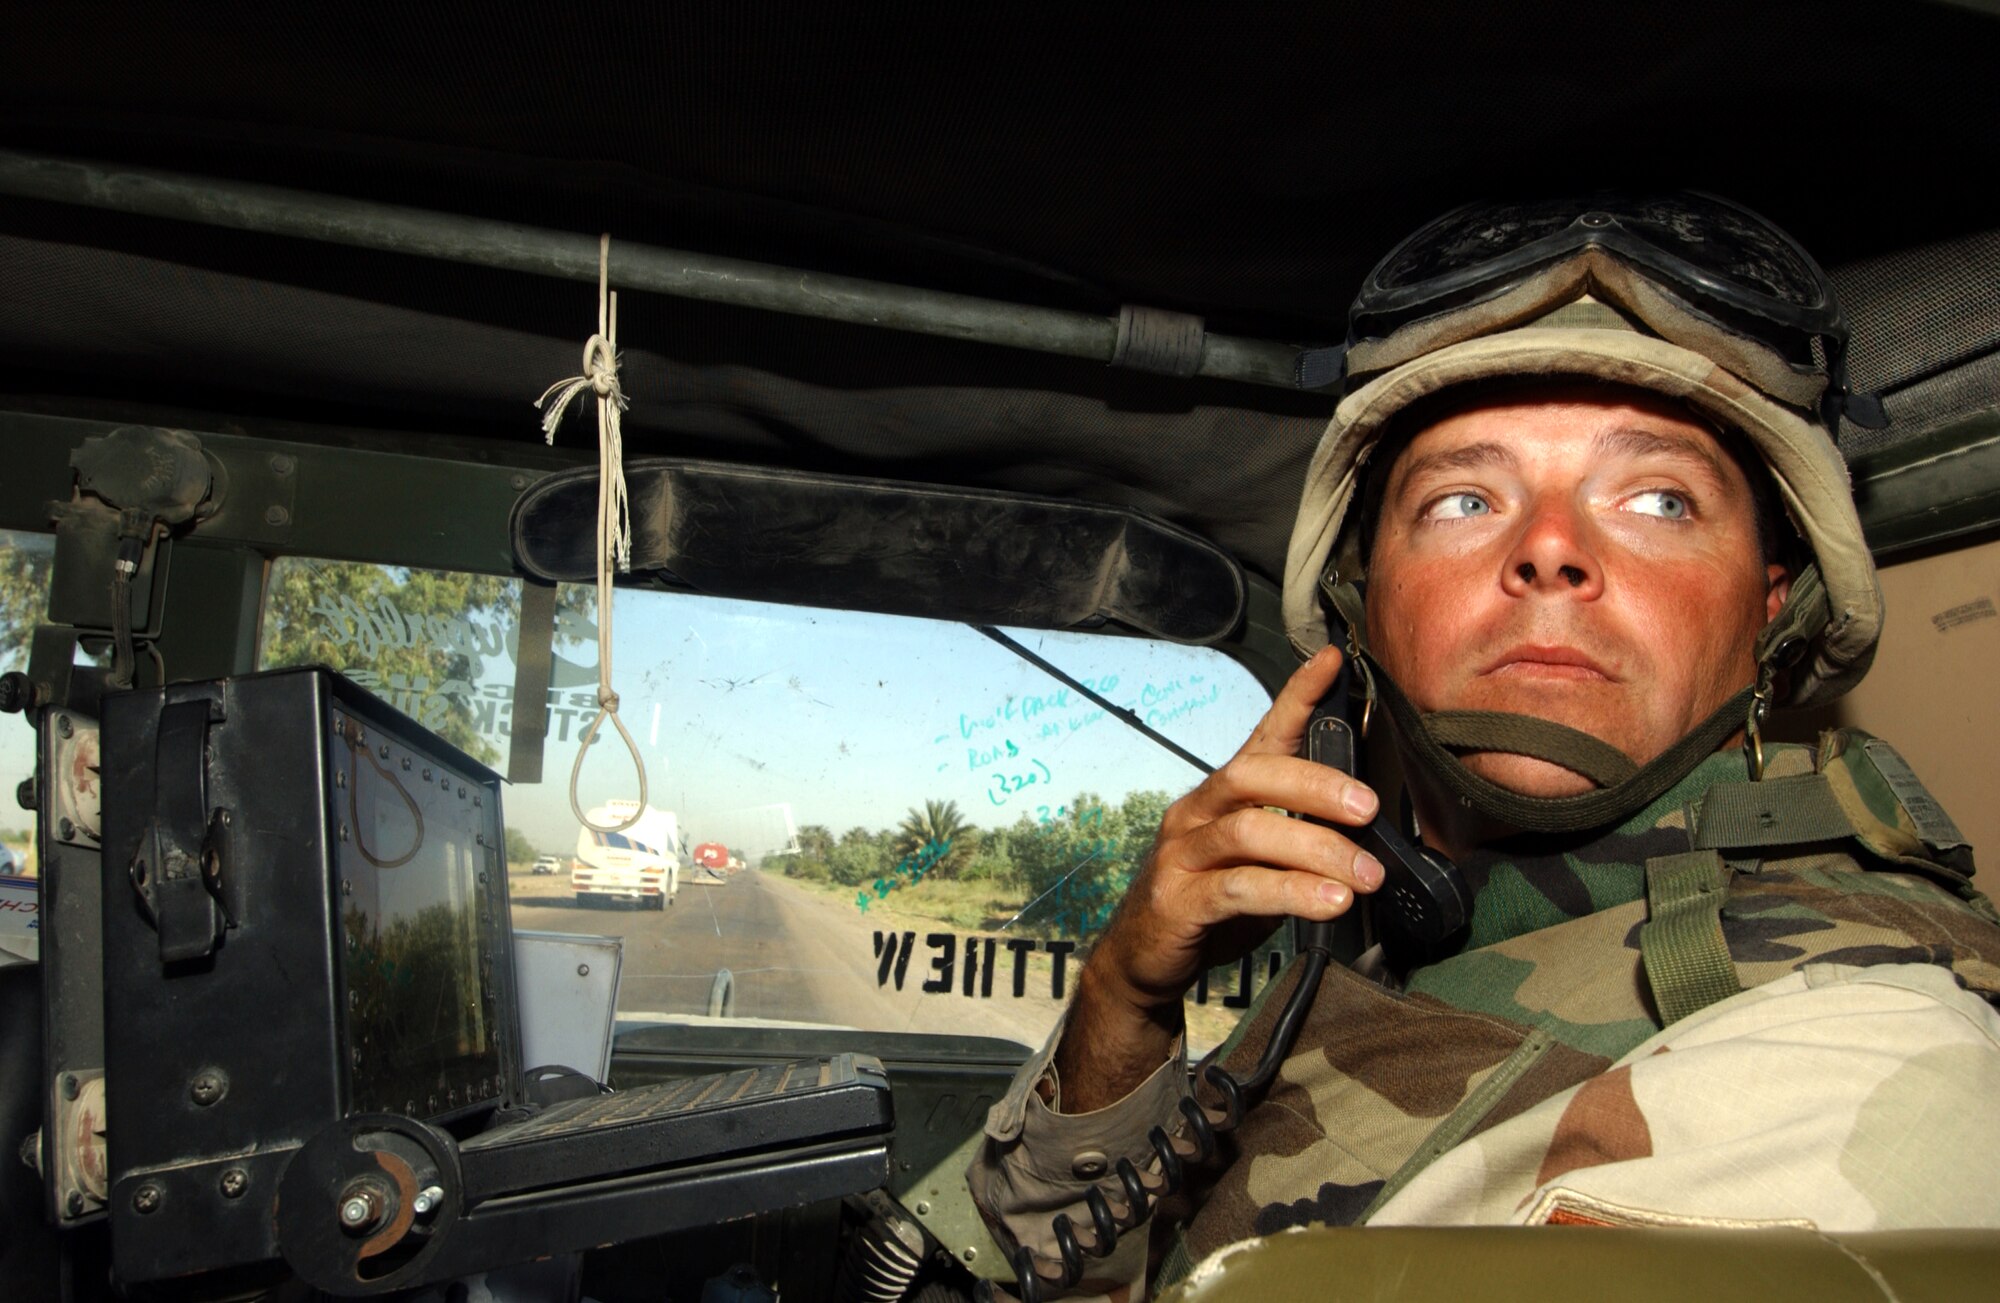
(1241,165)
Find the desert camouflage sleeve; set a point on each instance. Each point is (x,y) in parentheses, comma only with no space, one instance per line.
(1036,1162)
(1836,1097)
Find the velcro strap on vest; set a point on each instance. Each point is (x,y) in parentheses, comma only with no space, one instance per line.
(1685,954)
(1775,812)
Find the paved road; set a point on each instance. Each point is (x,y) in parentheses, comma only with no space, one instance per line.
(795,955)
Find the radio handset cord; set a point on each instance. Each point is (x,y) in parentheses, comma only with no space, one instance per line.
(1421,907)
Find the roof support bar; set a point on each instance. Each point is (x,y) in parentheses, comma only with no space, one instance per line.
(390,228)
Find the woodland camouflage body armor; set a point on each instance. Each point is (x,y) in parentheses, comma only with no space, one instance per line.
(1507,1070)
(1581,953)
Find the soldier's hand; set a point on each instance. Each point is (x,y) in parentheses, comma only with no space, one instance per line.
(1225,869)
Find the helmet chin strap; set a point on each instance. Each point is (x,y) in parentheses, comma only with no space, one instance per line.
(1623,788)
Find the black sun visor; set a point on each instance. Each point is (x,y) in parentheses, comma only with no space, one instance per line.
(944,553)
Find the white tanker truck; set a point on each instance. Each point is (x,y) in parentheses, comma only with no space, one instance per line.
(643,863)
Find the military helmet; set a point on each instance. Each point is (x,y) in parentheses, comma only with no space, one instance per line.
(1686,295)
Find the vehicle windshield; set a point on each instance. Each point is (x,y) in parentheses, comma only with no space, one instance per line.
(849,819)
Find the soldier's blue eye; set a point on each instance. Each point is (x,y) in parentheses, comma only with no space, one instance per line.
(1664,503)
(1460,505)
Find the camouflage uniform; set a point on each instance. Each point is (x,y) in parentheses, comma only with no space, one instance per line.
(1531,1077)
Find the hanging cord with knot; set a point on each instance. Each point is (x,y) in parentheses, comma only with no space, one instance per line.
(614,516)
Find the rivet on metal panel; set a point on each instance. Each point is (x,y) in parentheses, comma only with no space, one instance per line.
(583,970)
(343,832)
(340,779)
(519,482)
(234,1182)
(406,764)
(281,464)
(73,1203)
(146,1199)
(971,1253)
(923,1208)
(427,775)
(347,886)
(276,515)
(63,726)
(66,829)
(70,1085)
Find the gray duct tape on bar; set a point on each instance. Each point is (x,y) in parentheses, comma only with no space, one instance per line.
(1156,340)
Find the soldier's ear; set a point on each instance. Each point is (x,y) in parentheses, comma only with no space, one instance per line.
(1778,586)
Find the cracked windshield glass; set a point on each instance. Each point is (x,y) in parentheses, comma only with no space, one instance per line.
(851,820)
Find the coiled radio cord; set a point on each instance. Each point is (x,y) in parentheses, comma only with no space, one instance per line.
(1143,1190)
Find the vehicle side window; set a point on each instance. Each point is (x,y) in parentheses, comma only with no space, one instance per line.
(25,560)
(437,645)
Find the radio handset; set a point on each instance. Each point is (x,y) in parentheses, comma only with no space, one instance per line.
(1421,906)
(1423,903)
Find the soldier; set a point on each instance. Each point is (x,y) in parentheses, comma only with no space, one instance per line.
(1577,524)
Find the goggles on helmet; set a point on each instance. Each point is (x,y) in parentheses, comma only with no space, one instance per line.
(1696,270)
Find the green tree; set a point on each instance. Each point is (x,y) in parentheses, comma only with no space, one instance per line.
(1076,865)
(938,823)
(519,849)
(815,847)
(24,593)
(815,842)
(422,639)
(860,857)
(993,861)
(1139,818)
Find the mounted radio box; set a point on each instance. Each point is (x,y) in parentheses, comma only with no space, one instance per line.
(304,905)
(312,1025)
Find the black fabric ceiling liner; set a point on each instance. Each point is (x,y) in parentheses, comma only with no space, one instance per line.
(1245,161)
